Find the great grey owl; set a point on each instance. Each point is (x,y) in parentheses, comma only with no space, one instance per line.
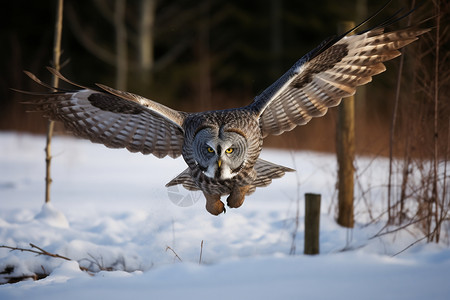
(221,148)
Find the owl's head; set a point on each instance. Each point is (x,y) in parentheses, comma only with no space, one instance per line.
(220,153)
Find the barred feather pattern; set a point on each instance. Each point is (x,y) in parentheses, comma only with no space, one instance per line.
(114,121)
(265,172)
(316,83)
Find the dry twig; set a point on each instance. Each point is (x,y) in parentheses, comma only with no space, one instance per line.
(201,252)
(41,251)
(176,255)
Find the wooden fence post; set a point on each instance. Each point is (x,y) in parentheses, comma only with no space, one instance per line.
(345,150)
(312,223)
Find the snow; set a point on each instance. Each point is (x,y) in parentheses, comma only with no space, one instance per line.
(110,209)
(51,216)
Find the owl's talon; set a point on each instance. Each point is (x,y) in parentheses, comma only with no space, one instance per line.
(213,204)
(237,196)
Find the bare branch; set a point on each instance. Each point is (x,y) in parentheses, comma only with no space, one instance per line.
(409,246)
(87,40)
(41,251)
(121,45)
(380,233)
(106,11)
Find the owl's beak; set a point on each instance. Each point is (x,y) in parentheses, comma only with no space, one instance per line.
(219,162)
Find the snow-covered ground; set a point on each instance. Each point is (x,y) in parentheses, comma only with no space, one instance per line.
(110,209)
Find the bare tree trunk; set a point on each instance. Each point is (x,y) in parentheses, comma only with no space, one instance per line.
(143,62)
(121,45)
(361,91)
(51,124)
(86,40)
(276,35)
(436,124)
(345,145)
(405,178)
(204,84)
(146,56)
(444,205)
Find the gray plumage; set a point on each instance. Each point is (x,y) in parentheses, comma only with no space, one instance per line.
(221,148)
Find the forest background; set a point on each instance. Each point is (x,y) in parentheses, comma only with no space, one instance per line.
(212,54)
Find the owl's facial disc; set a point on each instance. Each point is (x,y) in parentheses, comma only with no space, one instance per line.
(220,155)
(232,149)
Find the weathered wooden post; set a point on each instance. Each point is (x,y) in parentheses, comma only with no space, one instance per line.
(312,223)
(345,150)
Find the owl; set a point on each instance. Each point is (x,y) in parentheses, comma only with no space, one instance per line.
(221,148)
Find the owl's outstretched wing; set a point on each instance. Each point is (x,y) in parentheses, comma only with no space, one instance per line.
(114,118)
(324,76)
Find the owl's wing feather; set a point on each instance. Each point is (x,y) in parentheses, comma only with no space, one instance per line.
(266,172)
(185,179)
(324,76)
(114,118)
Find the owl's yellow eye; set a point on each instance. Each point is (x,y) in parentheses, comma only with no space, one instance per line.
(229,150)
(210,150)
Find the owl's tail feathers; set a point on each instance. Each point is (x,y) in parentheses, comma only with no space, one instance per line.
(185,179)
(265,172)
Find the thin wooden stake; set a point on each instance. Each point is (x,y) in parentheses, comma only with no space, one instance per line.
(51,124)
